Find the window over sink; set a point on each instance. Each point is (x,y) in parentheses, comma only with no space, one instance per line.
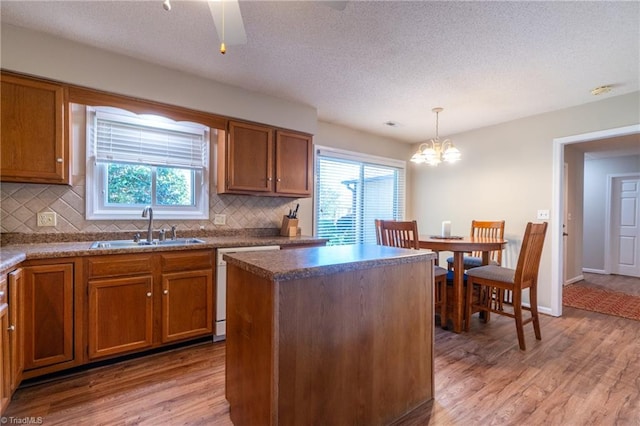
(135,161)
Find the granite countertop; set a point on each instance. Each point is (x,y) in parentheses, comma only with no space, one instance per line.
(316,261)
(13,254)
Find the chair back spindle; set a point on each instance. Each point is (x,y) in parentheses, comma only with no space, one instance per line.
(530,254)
(403,234)
(488,229)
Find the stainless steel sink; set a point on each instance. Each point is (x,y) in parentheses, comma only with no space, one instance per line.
(132,244)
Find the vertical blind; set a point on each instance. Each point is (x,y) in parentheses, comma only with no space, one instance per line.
(352,190)
(129,139)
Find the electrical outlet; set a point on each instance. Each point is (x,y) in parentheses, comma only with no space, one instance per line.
(220,219)
(543,214)
(47,219)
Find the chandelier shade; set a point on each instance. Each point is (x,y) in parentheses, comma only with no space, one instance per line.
(436,151)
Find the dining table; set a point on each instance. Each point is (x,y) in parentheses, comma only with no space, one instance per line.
(459,246)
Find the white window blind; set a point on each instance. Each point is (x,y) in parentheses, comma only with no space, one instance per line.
(352,190)
(127,139)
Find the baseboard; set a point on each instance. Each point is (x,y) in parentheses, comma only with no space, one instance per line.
(595,271)
(546,311)
(541,309)
(574,279)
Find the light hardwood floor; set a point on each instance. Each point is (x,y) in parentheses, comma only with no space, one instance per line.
(585,371)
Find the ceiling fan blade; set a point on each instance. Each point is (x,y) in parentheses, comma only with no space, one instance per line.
(234,33)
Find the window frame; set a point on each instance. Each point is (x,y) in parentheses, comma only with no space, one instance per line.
(96,177)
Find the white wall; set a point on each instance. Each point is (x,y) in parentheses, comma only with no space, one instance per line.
(506,173)
(595,200)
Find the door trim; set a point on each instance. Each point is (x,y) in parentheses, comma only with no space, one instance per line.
(557,211)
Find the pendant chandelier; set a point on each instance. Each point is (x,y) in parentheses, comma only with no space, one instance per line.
(436,151)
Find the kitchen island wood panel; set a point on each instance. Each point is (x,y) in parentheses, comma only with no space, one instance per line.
(330,335)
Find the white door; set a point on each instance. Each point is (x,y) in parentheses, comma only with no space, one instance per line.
(625,226)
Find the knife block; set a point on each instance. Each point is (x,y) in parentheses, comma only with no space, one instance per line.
(289,227)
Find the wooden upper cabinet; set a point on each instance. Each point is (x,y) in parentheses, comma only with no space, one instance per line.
(35,146)
(249,162)
(249,158)
(294,163)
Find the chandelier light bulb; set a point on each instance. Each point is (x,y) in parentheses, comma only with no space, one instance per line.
(166,5)
(223,48)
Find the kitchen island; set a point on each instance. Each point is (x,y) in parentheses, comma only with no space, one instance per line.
(329,335)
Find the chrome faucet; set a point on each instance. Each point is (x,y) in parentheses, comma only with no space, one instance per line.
(148,210)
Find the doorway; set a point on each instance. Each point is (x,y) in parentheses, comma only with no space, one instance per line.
(558,209)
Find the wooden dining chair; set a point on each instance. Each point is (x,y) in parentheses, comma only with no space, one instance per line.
(378,223)
(404,234)
(493,280)
(487,229)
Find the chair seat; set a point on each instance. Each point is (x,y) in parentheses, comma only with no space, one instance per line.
(439,271)
(471,262)
(494,273)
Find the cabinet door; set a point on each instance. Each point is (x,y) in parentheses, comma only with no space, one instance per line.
(249,161)
(294,164)
(120,315)
(5,374)
(48,314)
(16,326)
(187,304)
(34,147)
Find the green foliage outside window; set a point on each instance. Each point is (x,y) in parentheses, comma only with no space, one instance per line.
(131,184)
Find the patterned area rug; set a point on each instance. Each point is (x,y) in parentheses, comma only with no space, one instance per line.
(602,301)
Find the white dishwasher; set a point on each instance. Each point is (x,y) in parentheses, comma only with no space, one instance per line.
(221,286)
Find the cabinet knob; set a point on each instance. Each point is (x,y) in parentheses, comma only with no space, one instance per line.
(12,328)
(1,293)
(278,179)
(165,292)
(59,160)
(148,294)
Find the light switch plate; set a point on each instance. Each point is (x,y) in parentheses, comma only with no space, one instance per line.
(47,219)
(543,214)
(220,219)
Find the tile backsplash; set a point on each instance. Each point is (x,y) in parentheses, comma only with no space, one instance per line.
(20,204)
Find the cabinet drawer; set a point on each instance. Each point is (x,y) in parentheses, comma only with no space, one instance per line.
(118,265)
(187,260)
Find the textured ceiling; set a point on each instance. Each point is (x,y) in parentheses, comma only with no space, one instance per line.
(378,61)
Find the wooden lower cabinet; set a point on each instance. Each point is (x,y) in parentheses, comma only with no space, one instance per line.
(48,316)
(142,301)
(120,315)
(5,348)
(5,358)
(11,335)
(16,326)
(187,305)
